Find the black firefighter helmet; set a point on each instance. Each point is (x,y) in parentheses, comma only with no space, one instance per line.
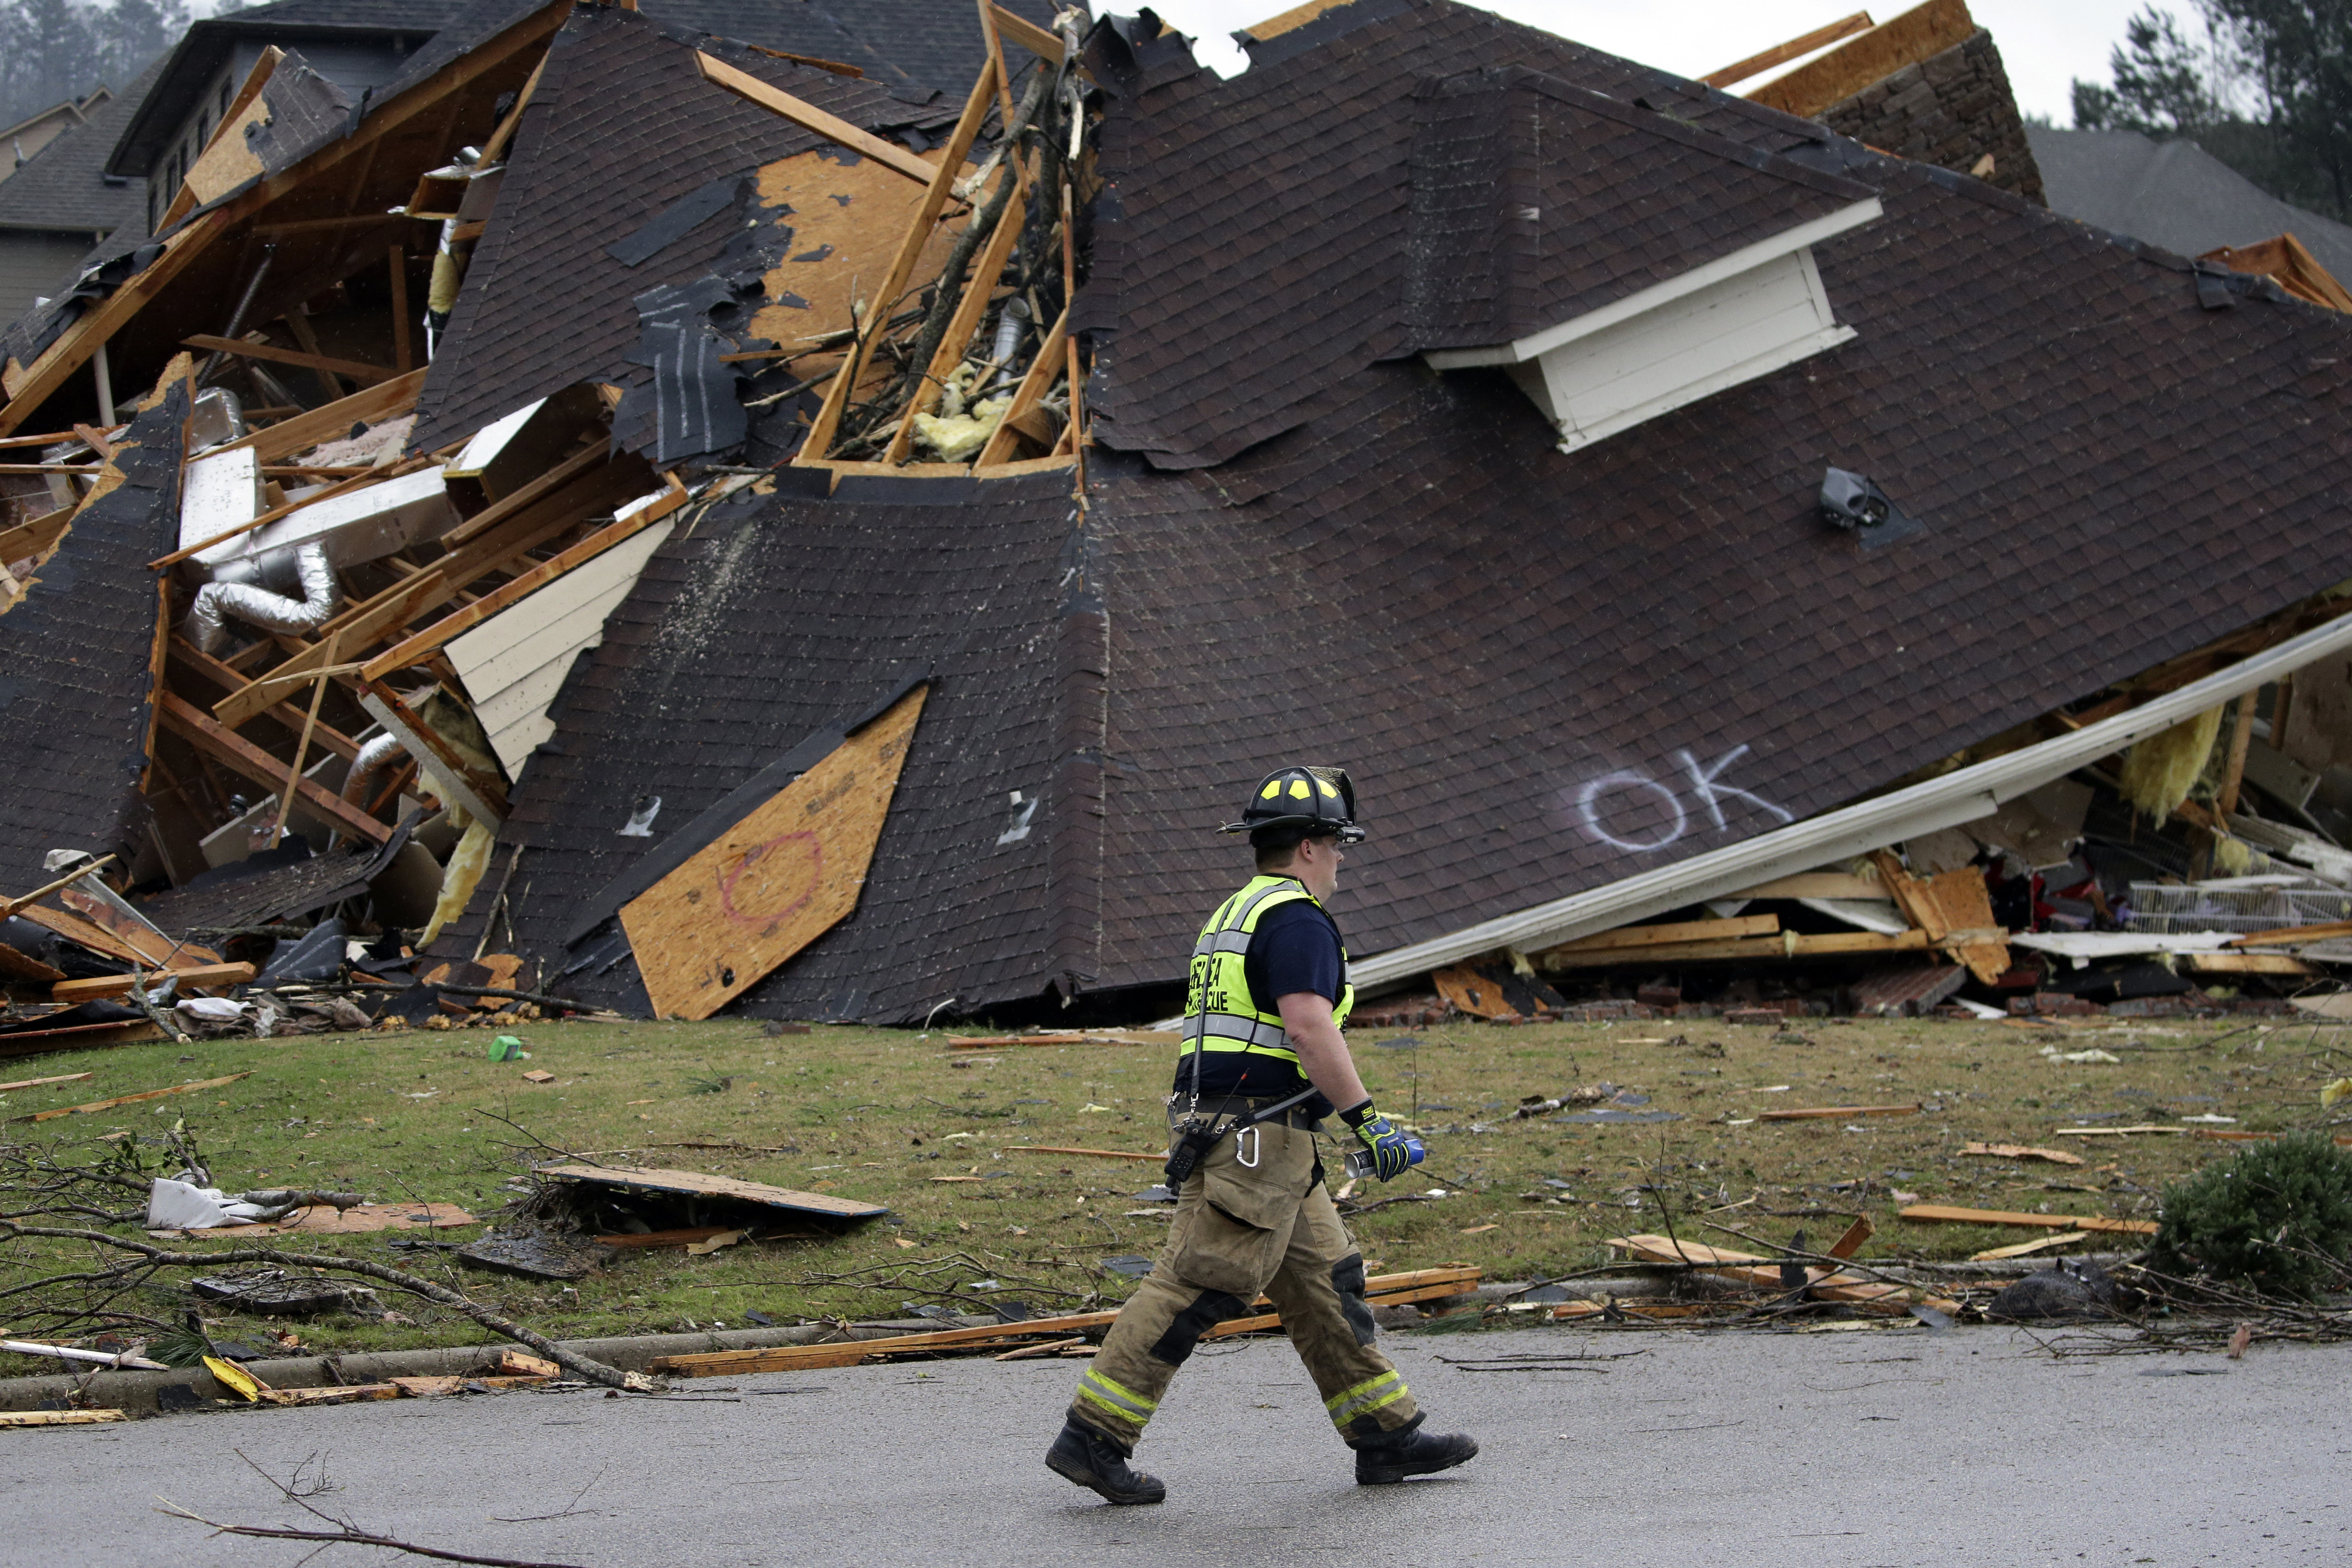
(1317,799)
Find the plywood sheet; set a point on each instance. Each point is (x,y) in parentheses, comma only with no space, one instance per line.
(776,881)
(696,1184)
(847,214)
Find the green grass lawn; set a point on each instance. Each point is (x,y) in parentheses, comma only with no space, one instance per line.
(880,1115)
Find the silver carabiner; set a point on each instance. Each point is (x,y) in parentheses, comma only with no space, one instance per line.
(1251,1133)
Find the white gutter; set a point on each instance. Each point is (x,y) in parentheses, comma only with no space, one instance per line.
(1966,795)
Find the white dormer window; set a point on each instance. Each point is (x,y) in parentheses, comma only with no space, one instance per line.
(1617,263)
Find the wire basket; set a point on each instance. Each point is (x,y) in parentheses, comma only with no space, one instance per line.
(2164,908)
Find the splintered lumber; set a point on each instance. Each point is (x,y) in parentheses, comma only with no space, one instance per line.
(37,1082)
(809,117)
(775,881)
(341,1394)
(2022,1151)
(229,677)
(977,292)
(98,939)
(1027,34)
(1098,1153)
(696,1184)
(224,745)
(1384,1289)
(1068,1038)
(1044,371)
(1669,935)
(96,1105)
(334,421)
(60,1418)
(2249,963)
(1788,945)
(1752,1269)
(2288,262)
(1945,1215)
(10,906)
(1826,1112)
(372,373)
(819,440)
(1795,48)
(421,645)
(514,525)
(100,986)
(2293,936)
(15,966)
(1857,1233)
(1818,885)
(2120,1131)
(1918,34)
(2027,1248)
(1954,909)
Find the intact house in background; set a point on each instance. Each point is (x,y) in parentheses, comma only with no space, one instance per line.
(675,520)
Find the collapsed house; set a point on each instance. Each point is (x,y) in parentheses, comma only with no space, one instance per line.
(707,523)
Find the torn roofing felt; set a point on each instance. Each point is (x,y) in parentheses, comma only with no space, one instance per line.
(75,684)
(621,127)
(1534,201)
(1545,671)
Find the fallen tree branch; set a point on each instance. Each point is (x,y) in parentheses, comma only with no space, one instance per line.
(592,1370)
(345,1533)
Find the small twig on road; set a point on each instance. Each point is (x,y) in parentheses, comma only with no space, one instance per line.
(344,1533)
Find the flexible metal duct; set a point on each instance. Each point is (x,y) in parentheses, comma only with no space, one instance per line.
(207,625)
(374,755)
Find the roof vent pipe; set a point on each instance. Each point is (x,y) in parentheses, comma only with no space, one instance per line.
(207,624)
(1010,327)
(373,755)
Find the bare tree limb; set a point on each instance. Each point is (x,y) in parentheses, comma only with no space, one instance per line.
(592,1370)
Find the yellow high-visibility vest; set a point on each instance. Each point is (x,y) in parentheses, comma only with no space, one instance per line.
(1220,1014)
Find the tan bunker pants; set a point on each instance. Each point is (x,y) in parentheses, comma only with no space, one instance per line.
(1252,1217)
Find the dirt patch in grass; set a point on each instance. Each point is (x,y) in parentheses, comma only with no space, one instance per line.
(887,1115)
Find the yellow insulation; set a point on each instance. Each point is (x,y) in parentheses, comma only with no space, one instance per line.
(460,877)
(2158,771)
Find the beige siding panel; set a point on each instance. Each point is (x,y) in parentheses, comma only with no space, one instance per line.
(514,662)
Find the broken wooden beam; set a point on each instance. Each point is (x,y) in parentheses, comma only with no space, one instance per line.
(231,750)
(1379,1291)
(98,1105)
(373,375)
(809,117)
(1943,1213)
(1782,54)
(98,988)
(1831,1112)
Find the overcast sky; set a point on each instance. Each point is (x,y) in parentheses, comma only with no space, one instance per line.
(2044,43)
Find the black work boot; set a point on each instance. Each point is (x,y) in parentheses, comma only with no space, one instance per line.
(1095,1462)
(1408,1451)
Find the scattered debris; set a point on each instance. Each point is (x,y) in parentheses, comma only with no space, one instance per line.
(2022,1151)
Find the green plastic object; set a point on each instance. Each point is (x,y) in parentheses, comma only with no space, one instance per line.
(506,1048)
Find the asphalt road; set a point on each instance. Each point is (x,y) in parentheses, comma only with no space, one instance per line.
(1834,1450)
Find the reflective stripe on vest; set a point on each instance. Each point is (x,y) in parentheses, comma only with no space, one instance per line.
(1220,1014)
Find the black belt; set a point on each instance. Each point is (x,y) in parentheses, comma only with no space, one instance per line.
(1297,1116)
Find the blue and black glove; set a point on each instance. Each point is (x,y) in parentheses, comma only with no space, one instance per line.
(1392,1152)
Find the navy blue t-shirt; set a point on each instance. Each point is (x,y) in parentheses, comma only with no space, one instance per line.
(1295,948)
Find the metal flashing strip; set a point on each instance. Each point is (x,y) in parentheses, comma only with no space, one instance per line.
(1966,795)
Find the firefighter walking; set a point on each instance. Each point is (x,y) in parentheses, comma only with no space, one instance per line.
(1267,994)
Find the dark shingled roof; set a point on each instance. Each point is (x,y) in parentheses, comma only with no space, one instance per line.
(64,186)
(1546,671)
(972,581)
(2173,194)
(74,664)
(621,126)
(1211,361)
(1534,202)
